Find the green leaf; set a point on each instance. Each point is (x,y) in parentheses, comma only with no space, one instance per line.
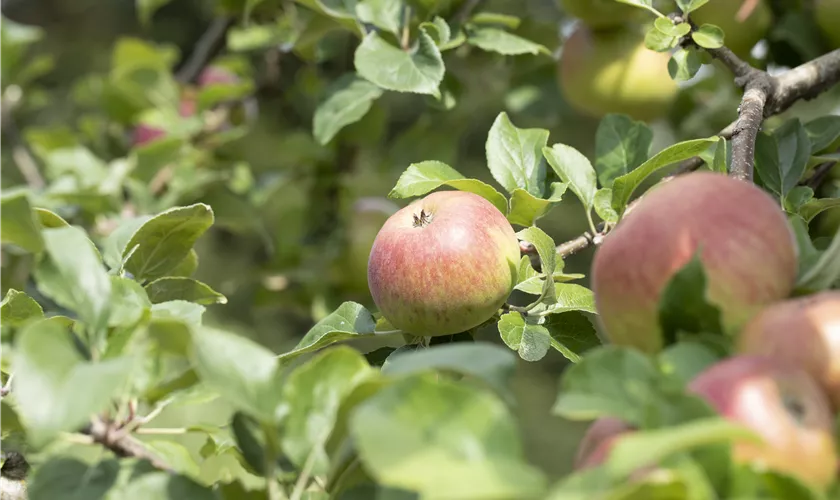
(568,297)
(780,159)
(825,271)
(419,71)
(797,197)
(421,178)
(548,258)
(823,132)
(438,30)
(683,306)
(129,302)
(340,11)
(574,169)
(684,64)
(814,207)
(572,334)
(686,360)
(502,42)
(164,486)
(350,320)
(708,36)
(643,448)
(70,478)
(526,209)
(384,14)
(624,186)
(490,363)
(530,341)
(311,397)
(179,288)
(242,371)
(658,41)
(667,26)
(603,205)
(346,101)
(443,440)
(146,9)
(514,156)
(621,145)
(723,154)
(71,273)
(485,18)
(163,241)
(17,308)
(689,6)
(49,372)
(18,223)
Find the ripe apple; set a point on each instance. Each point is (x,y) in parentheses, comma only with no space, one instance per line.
(603,72)
(744,22)
(804,332)
(827,14)
(749,256)
(443,264)
(601,14)
(367,217)
(596,444)
(784,406)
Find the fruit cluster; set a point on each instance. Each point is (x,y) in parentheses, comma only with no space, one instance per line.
(782,379)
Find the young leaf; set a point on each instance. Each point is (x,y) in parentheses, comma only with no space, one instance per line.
(797,197)
(530,341)
(71,273)
(18,308)
(568,297)
(526,209)
(658,41)
(683,306)
(346,101)
(311,395)
(384,14)
(667,26)
(492,364)
(179,288)
(624,186)
(392,68)
(689,6)
(114,246)
(348,321)
(723,156)
(438,30)
(400,427)
(129,302)
(684,64)
(163,241)
(421,178)
(572,334)
(603,205)
(548,258)
(242,371)
(19,224)
(514,156)
(708,36)
(823,132)
(574,169)
(54,388)
(814,207)
(621,145)
(502,42)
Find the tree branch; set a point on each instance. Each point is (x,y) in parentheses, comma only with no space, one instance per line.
(207,47)
(121,444)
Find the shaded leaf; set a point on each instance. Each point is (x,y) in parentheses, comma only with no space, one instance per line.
(346,101)
(179,288)
(514,156)
(18,223)
(572,334)
(419,71)
(530,341)
(574,169)
(621,145)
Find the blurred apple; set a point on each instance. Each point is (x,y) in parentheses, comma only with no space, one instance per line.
(601,14)
(744,22)
(827,14)
(784,406)
(605,72)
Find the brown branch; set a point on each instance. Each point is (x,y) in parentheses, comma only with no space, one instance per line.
(109,435)
(208,46)
(821,171)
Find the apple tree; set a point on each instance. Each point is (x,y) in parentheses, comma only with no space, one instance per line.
(420,249)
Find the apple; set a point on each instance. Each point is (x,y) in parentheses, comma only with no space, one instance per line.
(804,332)
(601,14)
(443,264)
(782,405)
(368,215)
(213,75)
(744,22)
(827,14)
(596,444)
(749,255)
(603,72)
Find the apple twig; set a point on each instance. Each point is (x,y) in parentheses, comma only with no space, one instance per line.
(210,44)
(109,435)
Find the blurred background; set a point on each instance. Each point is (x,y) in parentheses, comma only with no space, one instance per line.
(93,95)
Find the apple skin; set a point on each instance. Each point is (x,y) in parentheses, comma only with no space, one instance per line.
(742,29)
(599,439)
(749,256)
(449,274)
(613,72)
(803,332)
(601,14)
(781,404)
(827,14)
